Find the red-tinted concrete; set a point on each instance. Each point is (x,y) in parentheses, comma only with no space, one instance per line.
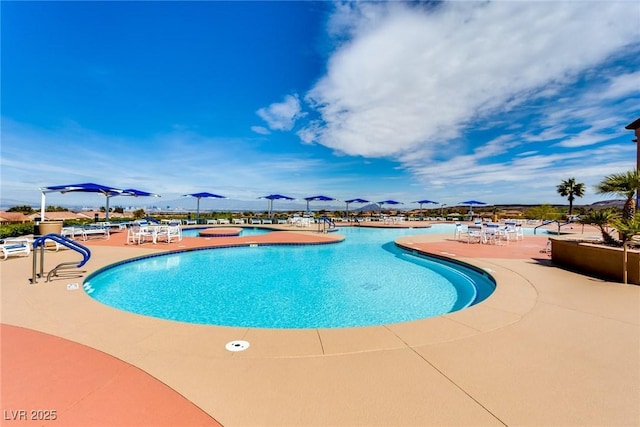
(48,380)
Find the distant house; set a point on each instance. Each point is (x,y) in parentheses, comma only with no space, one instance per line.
(56,216)
(13,218)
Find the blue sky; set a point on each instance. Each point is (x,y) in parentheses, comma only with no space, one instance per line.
(448,101)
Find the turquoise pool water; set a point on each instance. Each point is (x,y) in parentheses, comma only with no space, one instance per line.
(364,280)
(246,231)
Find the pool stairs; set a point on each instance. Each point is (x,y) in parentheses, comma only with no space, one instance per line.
(40,242)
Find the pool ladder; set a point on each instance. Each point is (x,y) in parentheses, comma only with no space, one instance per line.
(326,224)
(40,242)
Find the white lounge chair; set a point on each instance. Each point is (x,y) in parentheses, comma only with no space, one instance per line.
(95,231)
(16,247)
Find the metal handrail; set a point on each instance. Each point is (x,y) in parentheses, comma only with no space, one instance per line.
(65,241)
(551,221)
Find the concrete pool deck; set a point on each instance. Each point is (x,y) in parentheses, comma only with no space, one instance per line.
(549,347)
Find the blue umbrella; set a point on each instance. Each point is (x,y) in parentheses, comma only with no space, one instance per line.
(471,203)
(354,201)
(388,202)
(272,197)
(128,192)
(320,198)
(87,187)
(199,196)
(425,202)
(138,193)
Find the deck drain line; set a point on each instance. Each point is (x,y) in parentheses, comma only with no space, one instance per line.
(237,345)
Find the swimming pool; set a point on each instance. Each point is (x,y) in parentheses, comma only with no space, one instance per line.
(364,280)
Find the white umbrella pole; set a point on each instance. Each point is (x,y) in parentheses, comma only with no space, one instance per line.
(42,205)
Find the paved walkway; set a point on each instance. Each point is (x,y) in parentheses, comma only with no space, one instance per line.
(550,347)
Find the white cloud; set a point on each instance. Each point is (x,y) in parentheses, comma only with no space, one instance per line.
(260,130)
(623,85)
(411,79)
(282,115)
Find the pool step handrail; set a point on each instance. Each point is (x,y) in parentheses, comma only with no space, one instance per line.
(551,221)
(324,222)
(40,242)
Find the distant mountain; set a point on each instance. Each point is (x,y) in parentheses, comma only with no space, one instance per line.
(607,204)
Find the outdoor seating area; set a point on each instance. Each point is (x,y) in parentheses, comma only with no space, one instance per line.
(142,231)
(489,233)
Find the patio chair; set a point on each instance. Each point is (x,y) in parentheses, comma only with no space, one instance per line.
(16,247)
(174,232)
(137,234)
(457,234)
(474,232)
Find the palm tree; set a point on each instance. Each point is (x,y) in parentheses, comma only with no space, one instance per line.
(602,219)
(622,184)
(571,189)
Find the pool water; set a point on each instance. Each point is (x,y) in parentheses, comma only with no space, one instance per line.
(364,280)
(246,231)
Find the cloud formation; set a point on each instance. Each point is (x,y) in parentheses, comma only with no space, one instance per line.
(281,115)
(414,79)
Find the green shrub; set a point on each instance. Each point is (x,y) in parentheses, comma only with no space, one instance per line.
(15,230)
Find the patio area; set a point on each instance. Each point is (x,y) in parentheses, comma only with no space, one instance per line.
(549,347)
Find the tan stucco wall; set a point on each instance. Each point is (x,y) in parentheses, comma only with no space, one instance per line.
(600,261)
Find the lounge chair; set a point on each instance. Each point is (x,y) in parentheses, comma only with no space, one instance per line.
(16,247)
(95,231)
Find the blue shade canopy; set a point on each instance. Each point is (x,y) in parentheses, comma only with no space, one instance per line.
(318,198)
(87,187)
(389,202)
(128,192)
(276,197)
(426,202)
(321,198)
(272,197)
(138,193)
(472,203)
(199,196)
(356,201)
(205,194)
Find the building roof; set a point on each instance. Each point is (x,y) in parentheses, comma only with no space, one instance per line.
(14,217)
